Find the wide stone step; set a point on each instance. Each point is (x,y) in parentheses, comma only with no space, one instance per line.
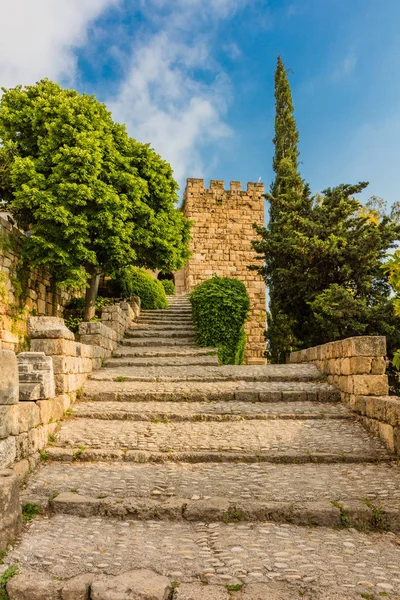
(192,391)
(339,565)
(166,361)
(159,326)
(316,494)
(167,312)
(184,332)
(159,341)
(209,411)
(163,351)
(251,373)
(274,441)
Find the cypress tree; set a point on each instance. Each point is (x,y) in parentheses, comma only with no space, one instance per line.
(282,243)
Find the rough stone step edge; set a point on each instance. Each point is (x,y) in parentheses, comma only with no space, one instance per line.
(119,362)
(81,453)
(363,514)
(149,417)
(197,396)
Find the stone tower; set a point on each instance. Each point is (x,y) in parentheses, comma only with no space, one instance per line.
(222,233)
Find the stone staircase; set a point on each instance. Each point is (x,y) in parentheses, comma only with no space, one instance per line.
(230,476)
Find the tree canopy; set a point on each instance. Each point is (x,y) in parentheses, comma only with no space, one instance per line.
(91,199)
(323,254)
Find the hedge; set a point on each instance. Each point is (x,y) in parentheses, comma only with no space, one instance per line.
(133,281)
(168,286)
(220,307)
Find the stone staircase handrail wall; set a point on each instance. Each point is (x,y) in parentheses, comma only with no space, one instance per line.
(357,367)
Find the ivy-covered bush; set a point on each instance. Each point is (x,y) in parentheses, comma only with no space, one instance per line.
(168,286)
(220,306)
(133,281)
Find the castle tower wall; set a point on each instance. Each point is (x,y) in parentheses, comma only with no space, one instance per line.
(222,233)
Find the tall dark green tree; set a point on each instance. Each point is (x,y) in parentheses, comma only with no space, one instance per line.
(282,242)
(322,255)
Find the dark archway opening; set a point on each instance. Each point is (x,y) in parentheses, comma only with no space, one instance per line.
(169,276)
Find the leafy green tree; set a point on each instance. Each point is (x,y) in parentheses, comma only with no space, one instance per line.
(91,199)
(323,255)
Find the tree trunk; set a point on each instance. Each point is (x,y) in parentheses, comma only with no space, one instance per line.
(91,292)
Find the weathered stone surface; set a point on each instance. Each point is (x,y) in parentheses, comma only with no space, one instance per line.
(53,409)
(198,591)
(9,383)
(8,452)
(6,420)
(48,328)
(33,586)
(25,416)
(78,588)
(69,502)
(142,584)
(35,368)
(10,509)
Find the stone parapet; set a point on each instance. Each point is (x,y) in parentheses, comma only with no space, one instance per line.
(357,367)
(10,508)
(118,318)
(96,333)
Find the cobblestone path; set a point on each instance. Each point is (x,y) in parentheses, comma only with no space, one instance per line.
(177,478)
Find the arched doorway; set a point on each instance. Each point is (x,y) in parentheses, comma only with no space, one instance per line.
(168,276)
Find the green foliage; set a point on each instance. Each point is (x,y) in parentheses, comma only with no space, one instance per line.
(92,198)
(7,575)
(220,306)
(168,286)
(73,323)
(30,512)
(322,254)
(133,281)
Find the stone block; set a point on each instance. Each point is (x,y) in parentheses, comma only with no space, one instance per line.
(10,508)
(21,469)
(8,452)
(33,586)
(392,410)
(142,584)
(78,588)
(356,365)
(369,385)
(9,382)
(365,346)
(378,366)
(54,346)
(52,409)
(35,368)
(48,328)
(386,433)
(25,416)
(6,420)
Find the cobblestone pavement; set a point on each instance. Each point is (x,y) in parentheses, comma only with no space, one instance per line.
(219,509)
(198,411)
(271,391)
(262,482)
(336,437)
(342,561)
(292,373)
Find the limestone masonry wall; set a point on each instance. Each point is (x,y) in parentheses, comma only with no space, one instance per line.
(357,367)
(222,233)
(22,293)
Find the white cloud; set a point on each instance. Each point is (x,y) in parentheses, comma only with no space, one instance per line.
(38,37)
(345,66)
(175,95)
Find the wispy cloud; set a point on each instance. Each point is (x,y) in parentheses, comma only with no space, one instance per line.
(345,67)
(38,38)
(175,94)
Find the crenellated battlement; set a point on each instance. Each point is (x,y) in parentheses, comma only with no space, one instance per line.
(197,185)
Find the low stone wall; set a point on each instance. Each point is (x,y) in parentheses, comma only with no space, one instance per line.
(118,318)
(95,333)
(357,367)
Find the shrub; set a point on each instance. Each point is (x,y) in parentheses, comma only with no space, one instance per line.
(168,286)
(220,306)
(133,281)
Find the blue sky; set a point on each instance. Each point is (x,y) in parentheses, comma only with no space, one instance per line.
(195,78)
